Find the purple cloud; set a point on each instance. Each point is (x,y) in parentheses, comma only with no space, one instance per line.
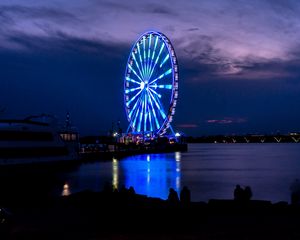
(226,120)
(230,39)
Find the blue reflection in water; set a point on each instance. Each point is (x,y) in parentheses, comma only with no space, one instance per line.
(151,174)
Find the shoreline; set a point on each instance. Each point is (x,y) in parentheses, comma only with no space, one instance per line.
(119,215)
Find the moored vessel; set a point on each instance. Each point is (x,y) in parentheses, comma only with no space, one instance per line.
(37,139)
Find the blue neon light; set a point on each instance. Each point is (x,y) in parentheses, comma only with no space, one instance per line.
(154,114)
(136,63)
(144,46)
(162,75)
(168,86)
(140,57)
(132,80)
(165,59)
(141,116)
(155,45)
(145,114)
(134,72)
(132,90)
(148,58)
(132,99)
(157,94)
(157,58)
(150,120)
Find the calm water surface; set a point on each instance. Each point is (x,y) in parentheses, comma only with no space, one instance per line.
(209,170)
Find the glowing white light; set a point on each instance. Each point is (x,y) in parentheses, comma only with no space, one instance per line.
(66,190)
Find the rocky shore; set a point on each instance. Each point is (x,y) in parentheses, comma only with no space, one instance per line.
(119,215)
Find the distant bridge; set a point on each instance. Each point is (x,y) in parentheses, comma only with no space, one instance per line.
(289,138)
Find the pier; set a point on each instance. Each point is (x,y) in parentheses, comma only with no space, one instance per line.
(92,149)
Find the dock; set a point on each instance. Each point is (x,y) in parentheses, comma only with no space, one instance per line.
(119,151)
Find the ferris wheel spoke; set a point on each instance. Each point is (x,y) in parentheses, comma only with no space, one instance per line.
(153,111)
(149,117)
(137,106)
(135,117)
(141,117)
(134,97)
(134,108)
(155,45)
(145,113)
(156,60)
(144,59)
(140,58)
(158,105)
(148,55)
(132,80)
(137,64)
(166,86)
(152,56)
(135,73)
(156,93)
(165,59)
(161,76)
(132,89)
(144,46)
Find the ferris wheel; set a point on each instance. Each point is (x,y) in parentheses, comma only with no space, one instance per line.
(151,84)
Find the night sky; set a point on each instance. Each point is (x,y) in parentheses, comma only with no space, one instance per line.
(239,61)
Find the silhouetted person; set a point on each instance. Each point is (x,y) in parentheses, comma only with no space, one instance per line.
(185,195)
(131,191)
(123,189)
(173,196)
(295,192)
(115,189)
(238,193)
(247,193)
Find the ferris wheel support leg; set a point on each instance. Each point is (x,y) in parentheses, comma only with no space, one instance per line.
(128,129)
(172,130)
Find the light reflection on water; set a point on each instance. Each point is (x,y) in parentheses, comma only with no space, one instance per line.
(152,174)
(209,170)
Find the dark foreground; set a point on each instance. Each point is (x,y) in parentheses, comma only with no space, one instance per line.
(106,215)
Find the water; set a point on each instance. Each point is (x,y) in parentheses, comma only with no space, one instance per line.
(209,170)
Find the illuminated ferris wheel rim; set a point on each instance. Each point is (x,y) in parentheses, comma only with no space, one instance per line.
(151,109)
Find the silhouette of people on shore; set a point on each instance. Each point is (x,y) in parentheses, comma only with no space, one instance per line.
(173,196)
(238,193)
(295,192)
(241,194)
(185,195)
(247,193)
(131,191)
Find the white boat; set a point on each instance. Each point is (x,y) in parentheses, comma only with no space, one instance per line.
(37,139)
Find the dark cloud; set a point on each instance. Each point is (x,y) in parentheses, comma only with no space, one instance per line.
(65,74)
(54,14)
(115,6)
(226,120)
(192,29)
(159,9)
